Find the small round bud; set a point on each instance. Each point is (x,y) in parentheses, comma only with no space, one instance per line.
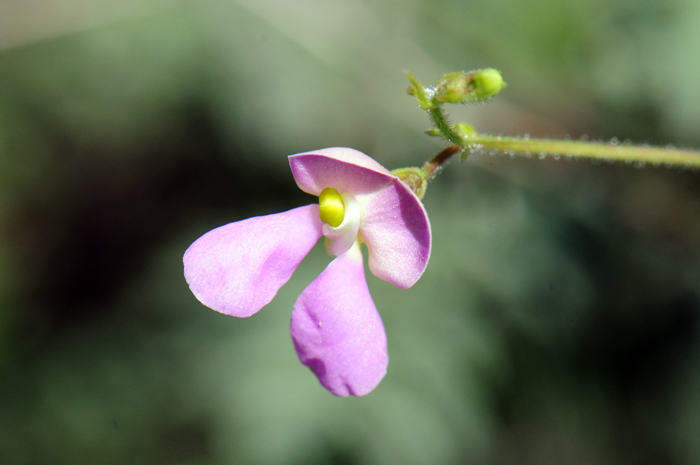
(465,130)
(487,83)
(331,206)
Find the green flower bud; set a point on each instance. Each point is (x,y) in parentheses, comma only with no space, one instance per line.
(487,83)
(452,87)
(468,87)
(465,130)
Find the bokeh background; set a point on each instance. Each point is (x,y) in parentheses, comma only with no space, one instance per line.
(557,322)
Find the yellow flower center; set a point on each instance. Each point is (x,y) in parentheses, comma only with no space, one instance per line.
(331,206)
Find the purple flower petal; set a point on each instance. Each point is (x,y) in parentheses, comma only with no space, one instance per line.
(238,268)
(337,331)
(393,224)
(396,229)
(344,169)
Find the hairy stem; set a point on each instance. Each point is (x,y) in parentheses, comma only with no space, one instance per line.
(441,124)
(612,151)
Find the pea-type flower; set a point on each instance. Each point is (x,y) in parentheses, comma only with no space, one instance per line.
(238,268)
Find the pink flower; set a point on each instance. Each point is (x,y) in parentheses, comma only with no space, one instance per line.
(238,268)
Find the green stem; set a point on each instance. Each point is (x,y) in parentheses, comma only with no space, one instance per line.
(612,151)
(440,121)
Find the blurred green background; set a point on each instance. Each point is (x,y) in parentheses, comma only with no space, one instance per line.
(557,322)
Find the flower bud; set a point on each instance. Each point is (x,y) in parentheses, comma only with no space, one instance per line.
(465,130)
(487,83)
(452,87)
(468,87)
